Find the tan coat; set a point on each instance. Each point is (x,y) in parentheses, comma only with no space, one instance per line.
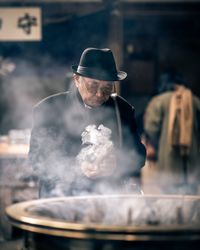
(170,164)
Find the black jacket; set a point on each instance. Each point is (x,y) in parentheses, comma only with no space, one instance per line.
(59,121)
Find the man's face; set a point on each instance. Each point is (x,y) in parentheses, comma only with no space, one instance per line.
(93,92)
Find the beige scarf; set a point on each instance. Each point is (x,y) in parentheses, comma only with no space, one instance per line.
(181,120)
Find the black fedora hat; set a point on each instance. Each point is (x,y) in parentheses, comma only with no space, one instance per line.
(98,64)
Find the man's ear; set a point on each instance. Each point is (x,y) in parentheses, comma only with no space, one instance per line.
(75,76)
(76,79)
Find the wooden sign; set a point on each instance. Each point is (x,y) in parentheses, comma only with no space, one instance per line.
(20,24)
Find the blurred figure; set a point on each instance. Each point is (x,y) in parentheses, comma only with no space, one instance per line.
(172,136)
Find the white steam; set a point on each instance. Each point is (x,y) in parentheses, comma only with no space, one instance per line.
(23,84)
(97,158)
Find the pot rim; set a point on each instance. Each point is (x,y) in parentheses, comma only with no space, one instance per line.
(21,218)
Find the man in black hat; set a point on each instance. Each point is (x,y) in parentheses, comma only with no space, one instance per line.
(86,140)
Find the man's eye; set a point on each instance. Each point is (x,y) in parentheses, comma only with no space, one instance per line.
(107,91)
(93,87)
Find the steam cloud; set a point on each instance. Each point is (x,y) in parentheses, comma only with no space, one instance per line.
(23,84)
(95,158)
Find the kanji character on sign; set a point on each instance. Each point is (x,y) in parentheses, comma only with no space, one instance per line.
(26,22)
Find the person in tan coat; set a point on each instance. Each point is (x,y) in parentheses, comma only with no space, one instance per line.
(171,135)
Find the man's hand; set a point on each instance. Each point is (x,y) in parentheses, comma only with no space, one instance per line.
(99,169)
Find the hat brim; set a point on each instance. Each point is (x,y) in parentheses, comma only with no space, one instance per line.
(120,75)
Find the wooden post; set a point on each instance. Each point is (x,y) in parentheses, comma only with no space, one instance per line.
(115,35)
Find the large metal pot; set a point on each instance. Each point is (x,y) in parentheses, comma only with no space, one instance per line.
(109,222)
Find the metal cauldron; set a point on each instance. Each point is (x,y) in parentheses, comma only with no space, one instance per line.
(109,222)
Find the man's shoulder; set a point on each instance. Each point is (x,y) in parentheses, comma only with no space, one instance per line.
(122,102)
(53,99)
(49,108)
